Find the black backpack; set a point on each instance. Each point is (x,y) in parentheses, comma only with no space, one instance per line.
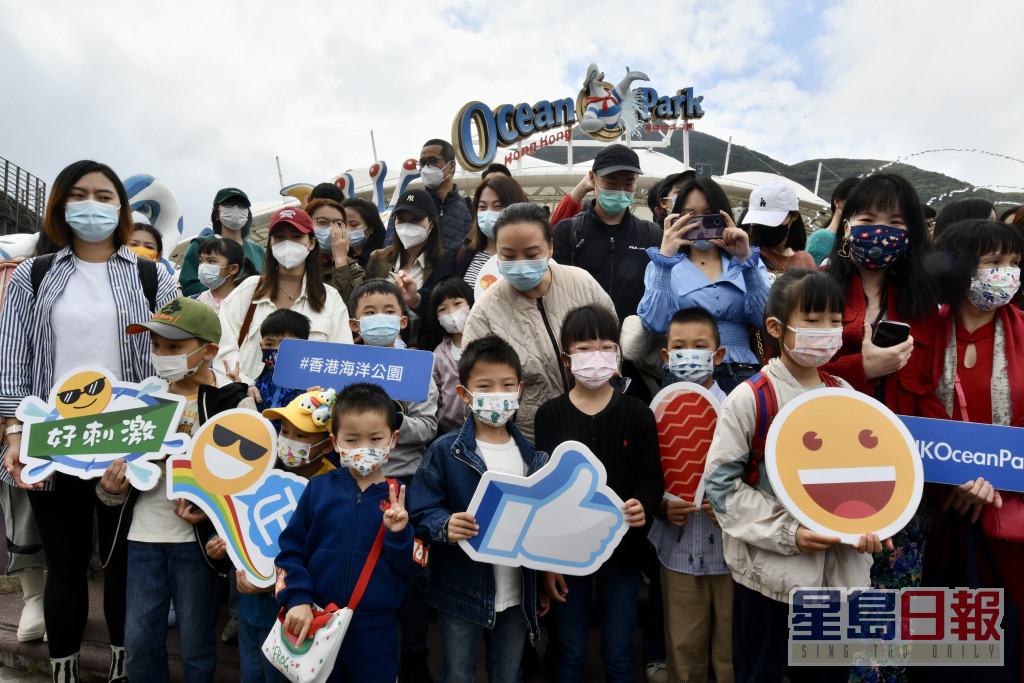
(147,275)
(576,233)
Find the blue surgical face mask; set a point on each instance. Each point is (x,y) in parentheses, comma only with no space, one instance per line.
(615,201)
(523,275)
(486,220)
(703,245)
(380,329)
(356,237)
(90,220)
(323,238)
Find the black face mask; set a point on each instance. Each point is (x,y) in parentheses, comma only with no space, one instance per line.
(769,236)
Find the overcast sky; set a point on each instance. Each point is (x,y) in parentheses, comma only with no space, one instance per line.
(205,94)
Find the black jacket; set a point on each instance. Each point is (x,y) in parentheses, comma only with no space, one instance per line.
(456,218)
(616,255)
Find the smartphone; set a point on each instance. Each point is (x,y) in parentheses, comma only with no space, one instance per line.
(711,227)
(890,333)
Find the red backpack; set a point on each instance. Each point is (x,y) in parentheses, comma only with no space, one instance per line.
(767,409)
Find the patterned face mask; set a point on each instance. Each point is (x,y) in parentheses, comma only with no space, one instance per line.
(691,365)
(813,346)
(294,453)
(494,409)
(363,460)
(876,247)
(992,288)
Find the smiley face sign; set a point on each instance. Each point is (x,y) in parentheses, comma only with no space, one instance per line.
(844,465)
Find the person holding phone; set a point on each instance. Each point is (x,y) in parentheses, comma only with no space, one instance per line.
(880,262)
(724,276)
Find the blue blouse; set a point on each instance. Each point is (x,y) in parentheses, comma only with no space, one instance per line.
(736,299)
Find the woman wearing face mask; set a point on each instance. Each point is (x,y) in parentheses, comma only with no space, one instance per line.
(491,197)
(775,225)
(879,259)
(365,229)
(724,276)
(231,218)
(292,280)
(413,261)
(93,289)
(979,360)
(526,308)
(330,221)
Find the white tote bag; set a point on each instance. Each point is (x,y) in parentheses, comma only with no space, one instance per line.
(312,660)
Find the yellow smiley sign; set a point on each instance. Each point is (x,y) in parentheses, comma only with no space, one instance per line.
(843,464)
(86,393)
(232,452)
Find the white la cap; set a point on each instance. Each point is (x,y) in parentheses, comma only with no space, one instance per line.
(771,203)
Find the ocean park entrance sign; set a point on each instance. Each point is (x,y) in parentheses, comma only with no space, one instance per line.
(603,111)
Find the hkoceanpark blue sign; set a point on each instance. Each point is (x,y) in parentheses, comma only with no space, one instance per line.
(602,110)
(955,452)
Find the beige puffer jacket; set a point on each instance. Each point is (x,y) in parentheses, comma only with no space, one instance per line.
(505,312)
(759,534)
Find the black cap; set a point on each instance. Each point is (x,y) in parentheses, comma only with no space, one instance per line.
(616,158)
(419,203)
(227,193)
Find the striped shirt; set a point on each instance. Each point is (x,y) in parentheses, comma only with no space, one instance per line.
(26,327)
(473,271)
(695,548)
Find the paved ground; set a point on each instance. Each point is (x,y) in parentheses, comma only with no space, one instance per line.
(29,661)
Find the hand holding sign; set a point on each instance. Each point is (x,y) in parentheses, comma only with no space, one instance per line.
(563,518)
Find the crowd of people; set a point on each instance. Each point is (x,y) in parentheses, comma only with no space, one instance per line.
(595,311)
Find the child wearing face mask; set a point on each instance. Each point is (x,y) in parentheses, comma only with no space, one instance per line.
(769,551)
(280,325)
(380,316)
(338,520)
(166,557)
(695,580)
(490,383)
(448,310)
(231,219)
(221,263)
(622,433)
(304,438)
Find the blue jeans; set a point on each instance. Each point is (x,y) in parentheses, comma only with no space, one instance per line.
(461,638)
(256,668)
(731,375)
(618,595)
(158,573)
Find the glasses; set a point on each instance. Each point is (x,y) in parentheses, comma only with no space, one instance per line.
(432,161)
(225,438)
(72,395)
(328,223)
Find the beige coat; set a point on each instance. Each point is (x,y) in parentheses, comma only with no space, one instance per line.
(505,312)
(759,535)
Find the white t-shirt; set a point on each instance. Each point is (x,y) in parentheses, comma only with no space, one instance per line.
(85,326)
(508,581)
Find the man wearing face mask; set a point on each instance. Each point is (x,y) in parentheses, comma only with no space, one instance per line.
(231,218)
(437,170)
(607,240)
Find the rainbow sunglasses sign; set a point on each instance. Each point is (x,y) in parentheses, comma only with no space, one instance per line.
(602,110)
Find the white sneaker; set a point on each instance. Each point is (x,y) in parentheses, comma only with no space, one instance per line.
(32,625)
(656,672)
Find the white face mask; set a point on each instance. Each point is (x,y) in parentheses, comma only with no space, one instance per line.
(363,460)
(813,346)
(209,275)
(294,453)
(432,177)
(691,365)
(233,217)
(175,368)
(411,234)
(290,254)
(454,322)
(494,409)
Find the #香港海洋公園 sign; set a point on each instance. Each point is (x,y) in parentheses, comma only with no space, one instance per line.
(602,110)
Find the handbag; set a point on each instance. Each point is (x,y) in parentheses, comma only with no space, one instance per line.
(312,660)
(1007,522)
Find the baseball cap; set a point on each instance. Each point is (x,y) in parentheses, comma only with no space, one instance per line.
(417,202)
(770,203)
(616,158)
(295,217)
(182,318)
(227,193)
(301,410)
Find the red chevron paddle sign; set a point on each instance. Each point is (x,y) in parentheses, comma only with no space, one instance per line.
(686,415)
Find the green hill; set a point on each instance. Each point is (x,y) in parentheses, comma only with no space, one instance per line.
(933,188)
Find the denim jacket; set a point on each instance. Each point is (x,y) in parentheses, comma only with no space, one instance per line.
(444,484)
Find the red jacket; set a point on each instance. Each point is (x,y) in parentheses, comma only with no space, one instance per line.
(1013,332)
(911,390)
